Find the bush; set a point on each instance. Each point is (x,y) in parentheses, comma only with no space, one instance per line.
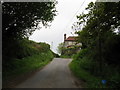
(25,56)
(80,54)
(88,70)
(28,64)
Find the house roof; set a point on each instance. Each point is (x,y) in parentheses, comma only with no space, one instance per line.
(70,38)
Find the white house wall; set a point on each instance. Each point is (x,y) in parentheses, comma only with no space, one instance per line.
(68,43)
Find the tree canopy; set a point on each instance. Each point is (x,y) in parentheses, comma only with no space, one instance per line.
(60,48)
(20,19)
(100,38)
(99,20)
(101,31)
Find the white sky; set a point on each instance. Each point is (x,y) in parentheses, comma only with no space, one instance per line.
(67,11)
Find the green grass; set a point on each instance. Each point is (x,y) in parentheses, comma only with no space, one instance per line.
(90,81)
(22,58)
(85,68)
(27,64)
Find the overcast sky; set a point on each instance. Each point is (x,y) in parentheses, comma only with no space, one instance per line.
(67,11)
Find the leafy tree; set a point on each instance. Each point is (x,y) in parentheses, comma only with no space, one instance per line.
(98,34)
(60,48)
(98,22)
(100,37)
(20,19)
(68,51)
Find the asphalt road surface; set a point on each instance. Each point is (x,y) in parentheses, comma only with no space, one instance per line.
(54,75)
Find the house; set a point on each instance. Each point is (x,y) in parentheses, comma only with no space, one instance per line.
(70,46)
(70,41)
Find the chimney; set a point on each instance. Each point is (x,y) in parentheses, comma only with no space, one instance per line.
(64,37)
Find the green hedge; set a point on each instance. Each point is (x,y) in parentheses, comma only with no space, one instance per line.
(25,56)
(88,70)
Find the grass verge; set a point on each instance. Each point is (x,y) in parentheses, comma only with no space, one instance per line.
(26,65)
(90,81)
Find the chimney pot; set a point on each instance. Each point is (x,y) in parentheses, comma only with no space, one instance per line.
(64,37)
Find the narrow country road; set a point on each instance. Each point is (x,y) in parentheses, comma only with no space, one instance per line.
(54,75)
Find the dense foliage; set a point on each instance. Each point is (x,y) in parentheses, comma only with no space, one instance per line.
(60,48)
(19,20)
(30,57)
(68,52)
(100,37)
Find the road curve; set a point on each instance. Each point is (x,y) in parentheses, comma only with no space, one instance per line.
(54,75)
